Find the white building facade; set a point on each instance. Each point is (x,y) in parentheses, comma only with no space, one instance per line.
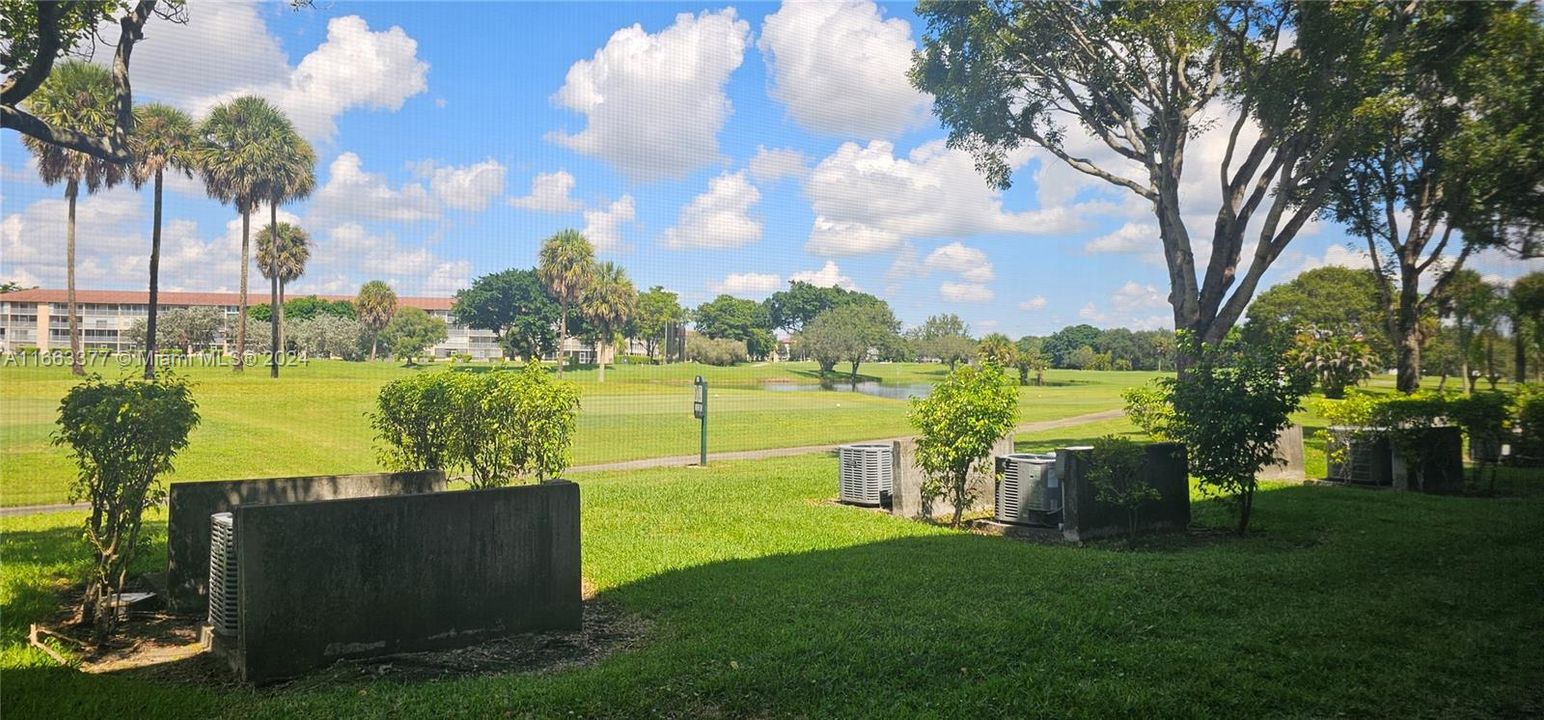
(38,319)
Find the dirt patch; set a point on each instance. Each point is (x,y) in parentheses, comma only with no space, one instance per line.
(166,649)
(606,630)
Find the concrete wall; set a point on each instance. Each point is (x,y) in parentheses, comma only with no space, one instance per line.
(1289,448)
(906,496)
(326,580)
(1085,518)
(189,506)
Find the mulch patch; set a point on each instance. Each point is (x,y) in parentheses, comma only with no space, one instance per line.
(166,649)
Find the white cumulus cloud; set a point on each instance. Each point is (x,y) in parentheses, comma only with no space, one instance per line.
(465,187)
(866,200)
(654,103)
(352,193)
(718,218)
(968,262)
(748,283)
(770,166)
(829,275)
(551,193)
(1033,304)
(840,68)
(603,226)
(967,292)
(1132,237)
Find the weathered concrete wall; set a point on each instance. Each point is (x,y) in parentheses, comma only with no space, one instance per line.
(326,580)
(189,506)
(1289,447)
(1365,457)
(1085,518)
(906,497)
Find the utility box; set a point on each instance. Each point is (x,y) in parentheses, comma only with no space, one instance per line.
(1029,492)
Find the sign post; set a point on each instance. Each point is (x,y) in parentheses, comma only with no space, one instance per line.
(700,411)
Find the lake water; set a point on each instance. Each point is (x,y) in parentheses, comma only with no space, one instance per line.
(893,391)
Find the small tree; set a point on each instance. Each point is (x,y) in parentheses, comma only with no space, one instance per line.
(722,352)
(1228,409)
(1151,408)
(958,423)
(123,435)
(1115,472)
(411,332)
(1031,359)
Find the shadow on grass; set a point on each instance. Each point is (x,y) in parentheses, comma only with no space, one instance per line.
(948,624)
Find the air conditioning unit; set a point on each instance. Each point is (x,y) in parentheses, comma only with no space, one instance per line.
(222,573)
(1028,489)
(867,475)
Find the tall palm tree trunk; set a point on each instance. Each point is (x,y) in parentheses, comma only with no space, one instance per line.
(562,332)
(601,359)
(155,281)
(241,313)
(72,189)
(276,311)
(281,312)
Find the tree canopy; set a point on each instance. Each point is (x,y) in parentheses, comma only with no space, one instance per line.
(1141,81)
(515,307)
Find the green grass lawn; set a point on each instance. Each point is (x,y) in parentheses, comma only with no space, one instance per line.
(312,419)
(767,602)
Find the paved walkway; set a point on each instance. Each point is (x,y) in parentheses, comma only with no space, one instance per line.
(685,460)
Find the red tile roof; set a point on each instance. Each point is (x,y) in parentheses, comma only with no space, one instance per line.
(179,299)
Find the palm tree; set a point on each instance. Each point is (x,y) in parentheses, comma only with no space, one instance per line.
(375,306)
(566,266)
(288,265)
(162,140)
(610,302)
(250,153)
(293,178)
(78,96)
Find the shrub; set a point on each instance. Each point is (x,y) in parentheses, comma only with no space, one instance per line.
(719,351)
(1115,472)
(1530,427)
(1228,409)
(958,423)
(123,435)
(1406,420)
(497,426)
(1150,407)
(1337,360)
(1484,417)
(412,418)
(329,336)
(636,359)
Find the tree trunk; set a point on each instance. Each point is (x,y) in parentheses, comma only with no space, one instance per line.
(1519,350)
(601,376)
(375,339)
(282,341)
(1245,509)
(241,314)
(155,281)
(562,333)
(1407,328)
(275,310)
(854,374)
(71,190)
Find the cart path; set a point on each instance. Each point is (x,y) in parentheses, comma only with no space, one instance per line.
(691,460)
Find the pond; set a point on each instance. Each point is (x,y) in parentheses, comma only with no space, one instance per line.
(892,391)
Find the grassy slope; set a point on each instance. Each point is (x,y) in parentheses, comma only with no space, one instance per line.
(768,602)
(312,420)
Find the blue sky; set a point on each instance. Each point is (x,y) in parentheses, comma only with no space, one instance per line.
(707,148)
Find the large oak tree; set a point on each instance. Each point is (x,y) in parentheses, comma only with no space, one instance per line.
(1143,80)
